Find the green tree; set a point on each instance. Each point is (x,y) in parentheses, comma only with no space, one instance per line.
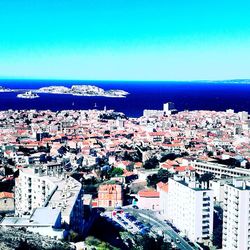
(151,163)
(162,175)
(98,244)
(116,172)
(144,242)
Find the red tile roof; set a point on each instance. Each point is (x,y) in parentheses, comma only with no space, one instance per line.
(149,193)
(4,195)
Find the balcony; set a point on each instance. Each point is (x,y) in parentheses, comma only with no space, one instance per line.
(205,221)
(206,199)
(206,210)
(205,231)
(206,204)
(205,216)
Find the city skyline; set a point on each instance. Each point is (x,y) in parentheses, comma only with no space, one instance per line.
(124,41)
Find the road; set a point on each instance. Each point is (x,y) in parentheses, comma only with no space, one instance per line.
(161,225)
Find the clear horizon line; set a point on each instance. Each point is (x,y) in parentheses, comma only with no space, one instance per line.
(119,80)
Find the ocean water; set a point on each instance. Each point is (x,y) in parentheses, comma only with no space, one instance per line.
(143,95)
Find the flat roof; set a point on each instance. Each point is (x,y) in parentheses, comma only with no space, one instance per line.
(43,216)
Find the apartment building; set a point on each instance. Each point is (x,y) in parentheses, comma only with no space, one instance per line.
(47,186)
(190,207)
(236,215)
(219,170)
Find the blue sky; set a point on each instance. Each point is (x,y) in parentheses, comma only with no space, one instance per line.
(125,39)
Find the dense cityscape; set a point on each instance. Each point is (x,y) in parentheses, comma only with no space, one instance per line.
(165,180)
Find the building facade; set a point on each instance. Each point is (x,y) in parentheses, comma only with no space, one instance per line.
(190,208)
(6,203)
(110,195)
(219,170)
(46,186)
(236,214)
(149,199)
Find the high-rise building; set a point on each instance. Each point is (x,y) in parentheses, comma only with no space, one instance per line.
(236,214)
(190,208)
(47,186)
(168,106)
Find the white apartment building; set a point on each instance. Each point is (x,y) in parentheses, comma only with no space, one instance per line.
(219,170)
(236,215)
(190,208)
(218,186)
(47,186)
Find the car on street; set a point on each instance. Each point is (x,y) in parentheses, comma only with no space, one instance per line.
(177,240)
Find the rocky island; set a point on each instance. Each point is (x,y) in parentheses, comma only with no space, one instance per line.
(28,95)
(3,89)
(83,90)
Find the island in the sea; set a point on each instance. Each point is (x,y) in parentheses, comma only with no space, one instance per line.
(78,90)
(3,89)
(28,95)
(83,90)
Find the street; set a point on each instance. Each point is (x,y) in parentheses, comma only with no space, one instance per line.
(161,225)
(134,220)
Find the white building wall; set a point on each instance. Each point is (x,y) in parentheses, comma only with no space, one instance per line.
(31,191)
(191,210)
(163,203)
(236,225)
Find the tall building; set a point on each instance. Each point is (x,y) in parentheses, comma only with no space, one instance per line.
(236,214)
(190,208)
(168,106)
(47,186)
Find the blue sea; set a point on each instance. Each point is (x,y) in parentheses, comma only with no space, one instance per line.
(217,96)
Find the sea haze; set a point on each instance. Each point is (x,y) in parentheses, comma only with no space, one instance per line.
(217,96)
